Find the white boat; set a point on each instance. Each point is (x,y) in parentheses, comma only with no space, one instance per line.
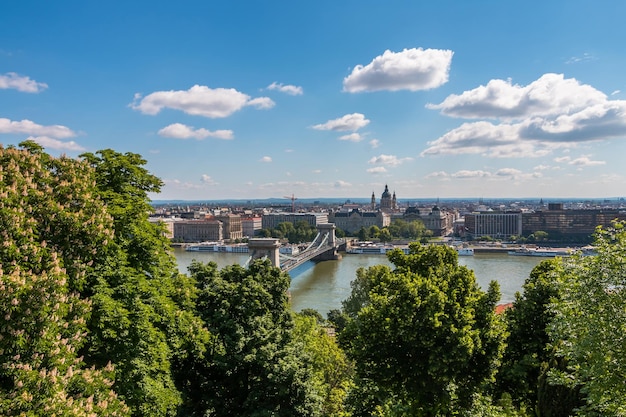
(368,248)
(218,247)
(542,252)
(202,247)
(465,251)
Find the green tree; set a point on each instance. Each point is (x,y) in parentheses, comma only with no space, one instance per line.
(414,229)
(363,234)
(541,236)
(528,355)
(384,235)
(589,321)
(332,372)
(396,227)
(338,319)
(311,312)
(255,368)
(426,337)
(53,227)
(374,231)
(143,317)
(303,232)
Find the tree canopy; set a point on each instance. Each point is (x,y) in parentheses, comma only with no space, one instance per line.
(423,336)
(255,368)
(590,324)
(53,229)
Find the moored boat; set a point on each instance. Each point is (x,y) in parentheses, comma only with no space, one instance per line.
(465,251)
(542,252)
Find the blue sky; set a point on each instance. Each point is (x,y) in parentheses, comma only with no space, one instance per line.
(251,99)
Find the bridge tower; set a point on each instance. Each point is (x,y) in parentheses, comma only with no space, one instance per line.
(265,247)
(328,229)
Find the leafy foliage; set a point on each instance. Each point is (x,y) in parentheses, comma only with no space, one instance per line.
(144,319)
(255,368)
(52,226)
(332,372)
(590,321)
(300,233)
(425,337)
(527,321)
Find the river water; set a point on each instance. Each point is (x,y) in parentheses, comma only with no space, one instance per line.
(324,285)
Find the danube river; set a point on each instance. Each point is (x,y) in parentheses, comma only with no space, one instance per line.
(323,285)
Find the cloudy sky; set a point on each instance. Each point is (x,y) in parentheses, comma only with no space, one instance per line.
(251,99)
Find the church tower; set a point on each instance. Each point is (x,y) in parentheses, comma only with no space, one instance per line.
(394,202)
(373,202)
(385,200)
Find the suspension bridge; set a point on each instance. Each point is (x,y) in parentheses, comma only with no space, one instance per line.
(325,246)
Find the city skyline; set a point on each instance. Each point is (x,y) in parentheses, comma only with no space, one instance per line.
(251,100)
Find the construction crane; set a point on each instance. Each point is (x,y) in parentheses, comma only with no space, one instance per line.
(293,202)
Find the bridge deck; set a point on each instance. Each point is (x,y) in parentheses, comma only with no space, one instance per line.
(287,264)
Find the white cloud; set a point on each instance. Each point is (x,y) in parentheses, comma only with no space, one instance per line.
(584,57)
(317,171)
(30,128)
(543,167)
(206,179)
(181,131)
(388,160)
(377,170)
(501,174)
(438,174)
(584,161)
(292,90)
(412,69)
(21,83)
(352,137)
(48,142)
(550,113)
(466,174)
(374,143)
(342,184)
(616,92)
(550,95)
(508,172)
(516,174)
(199,100)
(181,185)
(265,159)
(562,159)
(349,122)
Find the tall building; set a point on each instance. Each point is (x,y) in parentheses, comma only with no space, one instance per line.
(231,226)
(438,221)
(386,200)
(251,225)
(271,220)
(351,222)
(198,230)
(560,223)
(496,224)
